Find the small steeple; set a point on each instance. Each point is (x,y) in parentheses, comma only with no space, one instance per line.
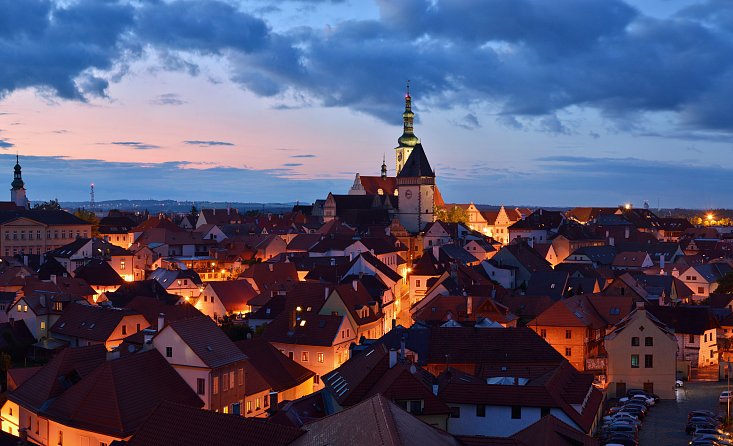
(384,167)
(408,116)
(17,177)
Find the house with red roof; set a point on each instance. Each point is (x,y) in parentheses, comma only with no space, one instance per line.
(575,326)
(82,324)
(642,354)
(316,340)
(207,360)
(81,397)
(276,375)
(504,404)
(178,424)
(378,370)
(225,298)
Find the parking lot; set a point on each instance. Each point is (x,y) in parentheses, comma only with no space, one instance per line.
(665,424)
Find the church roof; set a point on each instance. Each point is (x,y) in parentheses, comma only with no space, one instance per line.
(417,165)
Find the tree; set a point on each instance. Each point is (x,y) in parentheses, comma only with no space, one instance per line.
(51,205)
(194,211)
(89,217)
(725,284)
(454,214)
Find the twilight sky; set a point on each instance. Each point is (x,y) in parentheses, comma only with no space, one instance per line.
(531,102)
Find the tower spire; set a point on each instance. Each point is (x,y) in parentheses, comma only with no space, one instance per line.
(384,166)
(408,116)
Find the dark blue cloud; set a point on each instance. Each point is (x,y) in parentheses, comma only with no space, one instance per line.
(306,155)
(208,143)
(4,144)
(168,99)
(137,145)
(292,164)
(527,59)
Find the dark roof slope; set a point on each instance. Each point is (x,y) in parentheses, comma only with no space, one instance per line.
(119,395)
(207,341)
(376,421)
(98,272)
(280,372)
(417,165)
(177,424)
(89,321)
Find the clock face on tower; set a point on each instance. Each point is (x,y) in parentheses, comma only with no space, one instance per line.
(408,194)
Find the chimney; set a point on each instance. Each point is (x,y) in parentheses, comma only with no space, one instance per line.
(611,241)
(640,306)
(627,232)
(435,389)
(333,261)
(675,272)
(270,267)
(326,292)
(392,358)
(148,334)
(661,261)
(355,284)
(161,321)
(402,347)
(23,435)
(293,318)
(273,402)
(25,260)
(436,252)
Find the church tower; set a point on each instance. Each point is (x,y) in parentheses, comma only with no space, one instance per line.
(416,191)
(407,142)
(17,193)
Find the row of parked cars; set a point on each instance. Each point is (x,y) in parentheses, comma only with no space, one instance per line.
(705,426)
(623,421)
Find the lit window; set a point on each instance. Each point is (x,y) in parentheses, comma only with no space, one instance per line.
(568,351)
(215,383)
(320,357)
(304,356)
(249,406)
(634,361)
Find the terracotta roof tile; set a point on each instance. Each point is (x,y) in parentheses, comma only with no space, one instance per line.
(207,341)
(119,395)
(177,424)
(280,372)
(376,421)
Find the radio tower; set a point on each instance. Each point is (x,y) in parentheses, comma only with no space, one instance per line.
(91,197)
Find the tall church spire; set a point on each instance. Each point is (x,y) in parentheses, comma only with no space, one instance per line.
(384,167)
(408,140)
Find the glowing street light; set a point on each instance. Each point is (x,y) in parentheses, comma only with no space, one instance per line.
(710,217)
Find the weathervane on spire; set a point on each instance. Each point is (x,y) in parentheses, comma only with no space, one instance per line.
(408,88)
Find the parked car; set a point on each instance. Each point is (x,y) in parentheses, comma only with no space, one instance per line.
(705,413)
(632,392)
(725,396)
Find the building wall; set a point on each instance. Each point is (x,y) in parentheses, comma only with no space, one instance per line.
(419,209)
(293,393)
(661,374)
(498,421)
(333,357)
(557,338)
(22,235)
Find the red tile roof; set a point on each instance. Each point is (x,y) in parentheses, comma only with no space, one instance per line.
(376,421)
(550,431)
(233,294)
(119,395)
(207,341)
(151,307)
(66,368)
(368,374)
(89,321)
(265,275)
(177,424)
(280,372)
